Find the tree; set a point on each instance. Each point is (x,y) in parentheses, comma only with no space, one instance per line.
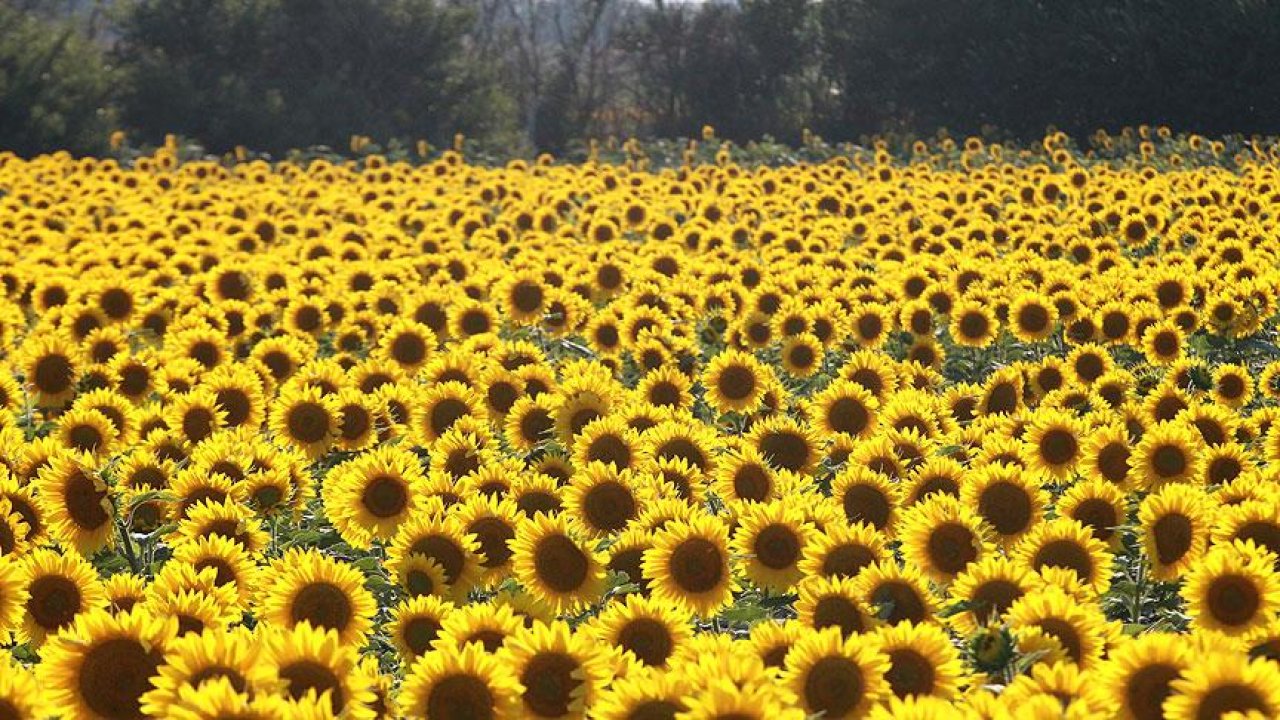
(55,85)
(277,74)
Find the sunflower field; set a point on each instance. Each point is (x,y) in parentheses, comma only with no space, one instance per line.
(951,430)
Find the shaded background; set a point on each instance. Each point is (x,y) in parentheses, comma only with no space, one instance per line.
(531,75)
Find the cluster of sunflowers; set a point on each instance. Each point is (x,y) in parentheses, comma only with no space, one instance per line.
(864,438)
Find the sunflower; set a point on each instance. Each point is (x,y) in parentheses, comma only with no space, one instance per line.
(1139,674)
(643,693)
(941,537)
(786,444)
(689,565)
(408,344)
(1107,455)
(1056,689)
(561,672)
(723,699)
(530,423)
(1054,442)
(229,519)
(1076,629)
(1098,505)
(102,664)
(607,440)
(601,501)
(304,418)
(984,592)
(1232,385)
(195,611)
(842,550)
(681,479)
(458,683)
(486,624)
(646,632)
(232,565)
(553,564)
(834,676)
(743,475)
(20,695)
(844,408)
(1032,317)
(1175,522)
(50,369)
(306,666)
(1168,453)
(735,381)
(973,324)
(1089,362)
(371,495)
(1232,590)
(866,497)
(922,660)
(1224,684)
(444,542)
(320,590)
(415,624)
(896,593)
(76,502)
(441,406)
(192,662)
(88,431)
(1065,543)
(1002,393)
(771,537)
(666,387)
(1010,501)
(239,394)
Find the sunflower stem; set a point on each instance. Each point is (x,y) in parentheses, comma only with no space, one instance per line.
(129,553)
(1135,613)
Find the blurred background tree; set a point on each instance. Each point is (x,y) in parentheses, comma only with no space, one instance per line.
(530,75)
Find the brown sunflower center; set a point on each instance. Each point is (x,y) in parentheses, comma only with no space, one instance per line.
(549,684)
(53,374)
(786,450)
(649,639)
(847,560)
(322,604)
(1233,600)
(697,565)
(1168,461)
(461,696)
(1065,554)
(951,547)
(1147,690)
(833,687)
(1058,447)
(561,564)
(1232,698)
(420,632)
(777,547)
(1006,506)
(910,673)
(736,383)
(303,676)
(609,506)
(751,482)
(838,611)
(385,497)
(84,502)
(1173,535)
(114,675)
(847,415)
(866,503)
(1099,516)
(53,601)
(899,601)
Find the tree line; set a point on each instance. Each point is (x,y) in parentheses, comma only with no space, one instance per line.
(535,75)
